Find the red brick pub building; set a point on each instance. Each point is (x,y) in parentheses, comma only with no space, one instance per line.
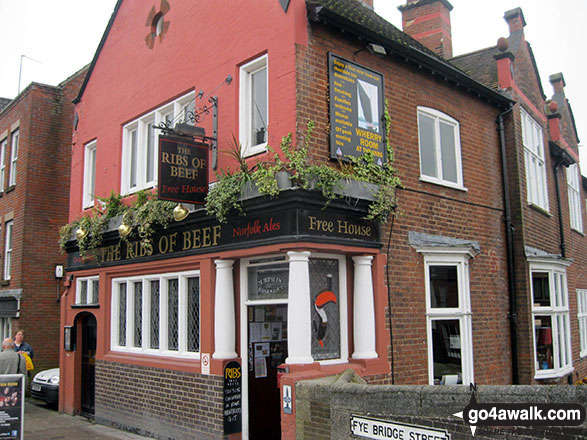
(205,333)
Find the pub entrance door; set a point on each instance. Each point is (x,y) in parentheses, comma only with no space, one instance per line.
(88,328)
(265,341)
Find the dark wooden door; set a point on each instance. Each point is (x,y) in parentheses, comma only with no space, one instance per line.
(88,365)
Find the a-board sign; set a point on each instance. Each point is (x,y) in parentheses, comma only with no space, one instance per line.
(11,406)
(357,123)
(232,398)
(183,170)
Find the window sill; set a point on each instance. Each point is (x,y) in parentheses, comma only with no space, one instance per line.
(572,229)
(85,306)
(539,209)
(5,283)
(10,188)
(553,374)
(443,183)
(256,150)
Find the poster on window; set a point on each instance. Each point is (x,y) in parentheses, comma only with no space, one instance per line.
(357,124)
(12,406)
(183,170)
(325,313)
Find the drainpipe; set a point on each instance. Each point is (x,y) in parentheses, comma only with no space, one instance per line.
(513,315)
(561,231)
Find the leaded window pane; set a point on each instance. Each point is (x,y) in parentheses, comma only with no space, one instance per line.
(155,314)
(324,288)
(193,300)
(138,313)
(172,314)
(83,296)
(95,291)
(122,315)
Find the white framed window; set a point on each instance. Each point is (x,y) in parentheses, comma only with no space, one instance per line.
(5,328)
(140,145)
(89,174)
(574,190)
(3,146)
(157,314)
(448,308)
(550,312)
(87,291)
(582,318)
(440,148)
(8,250)
(254,106)
(533,141)
(13,157)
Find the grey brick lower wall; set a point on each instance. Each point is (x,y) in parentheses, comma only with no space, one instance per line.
(162,404)
(324,407)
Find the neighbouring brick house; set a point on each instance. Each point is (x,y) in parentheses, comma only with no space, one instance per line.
(158,336)
(35,153)
(547,209)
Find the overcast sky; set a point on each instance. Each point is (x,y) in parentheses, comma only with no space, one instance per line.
(58,37)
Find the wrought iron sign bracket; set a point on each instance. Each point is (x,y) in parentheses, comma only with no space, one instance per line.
(186,124)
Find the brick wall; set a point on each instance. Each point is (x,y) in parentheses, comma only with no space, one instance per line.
(324,408)
(39,203)
(475,214)
(163,404)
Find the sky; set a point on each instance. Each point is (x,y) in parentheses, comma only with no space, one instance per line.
(59,37)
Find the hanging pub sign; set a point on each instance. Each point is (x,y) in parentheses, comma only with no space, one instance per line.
(183,170)
(357,123)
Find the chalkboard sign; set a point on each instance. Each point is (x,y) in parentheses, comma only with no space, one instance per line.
(232,398)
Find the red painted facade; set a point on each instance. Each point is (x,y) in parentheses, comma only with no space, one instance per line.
(459,226)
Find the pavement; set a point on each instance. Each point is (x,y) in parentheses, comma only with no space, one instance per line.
(42,422)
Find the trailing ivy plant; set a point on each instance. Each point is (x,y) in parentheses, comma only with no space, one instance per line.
(142,215)
(224,196)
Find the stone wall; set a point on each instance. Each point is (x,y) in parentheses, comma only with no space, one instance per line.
(324,408)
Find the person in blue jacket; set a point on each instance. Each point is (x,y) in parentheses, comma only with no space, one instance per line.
(20,346)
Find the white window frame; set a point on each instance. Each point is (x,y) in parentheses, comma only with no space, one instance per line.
(3,147)
(533,142)
(5,328)
(559,314)
(439,117)
(582,318)
(8,249)
(14,145)
(170,112)
(88,281)
(245,105)
(90,153)
(574,193)
(145,348)
(459,257)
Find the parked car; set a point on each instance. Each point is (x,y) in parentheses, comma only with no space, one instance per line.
(45,386)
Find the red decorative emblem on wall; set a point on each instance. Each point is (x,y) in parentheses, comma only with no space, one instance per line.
(157,23)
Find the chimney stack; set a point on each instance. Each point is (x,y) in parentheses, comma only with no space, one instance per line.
(428,21)
(515,20)
(367,3)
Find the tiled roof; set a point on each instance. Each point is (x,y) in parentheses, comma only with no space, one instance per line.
(356,19)
(4,102)
(480,65)
(356,13)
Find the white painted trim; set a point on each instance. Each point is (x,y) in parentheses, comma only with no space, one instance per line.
(244,103)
